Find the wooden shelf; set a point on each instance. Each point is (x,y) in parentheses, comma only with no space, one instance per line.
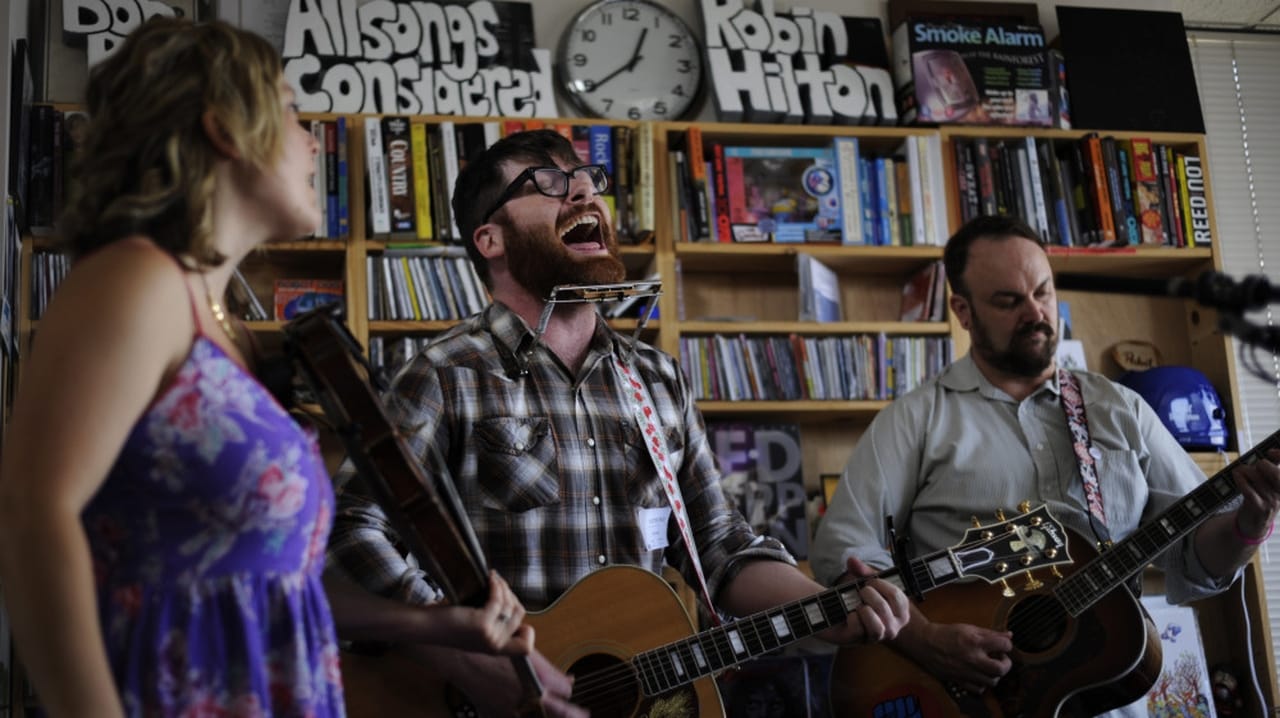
(1147,262)
(384,327)
(1002,132)
(816,328)
(718,257)
(799,412)
(307,245)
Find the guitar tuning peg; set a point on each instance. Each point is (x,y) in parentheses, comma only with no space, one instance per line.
(976,523)
(1000,514)
(1007,592)
(1056,573)
(1024,507)
(1032,583)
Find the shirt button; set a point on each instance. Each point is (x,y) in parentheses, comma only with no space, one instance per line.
(595,500)
(591,442)
(519,447)
(1039,447)
(601,559)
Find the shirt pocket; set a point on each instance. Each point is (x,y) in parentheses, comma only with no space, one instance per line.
(1124,489)
(643,487)
(516,462)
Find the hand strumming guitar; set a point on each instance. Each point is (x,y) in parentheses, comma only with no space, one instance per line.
(973,657)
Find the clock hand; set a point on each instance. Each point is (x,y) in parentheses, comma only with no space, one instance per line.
(635,55)
(610,76)
(631,64)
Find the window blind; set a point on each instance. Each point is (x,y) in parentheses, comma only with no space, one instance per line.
(1240,98)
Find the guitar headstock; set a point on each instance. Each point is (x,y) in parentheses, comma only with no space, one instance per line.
(995,552)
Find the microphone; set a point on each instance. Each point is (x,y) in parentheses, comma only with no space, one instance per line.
(1122,285)
(1211,289)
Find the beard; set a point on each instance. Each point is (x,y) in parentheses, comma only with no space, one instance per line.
(539,261)
(1022,357)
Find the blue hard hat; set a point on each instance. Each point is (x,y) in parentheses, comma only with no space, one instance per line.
(1186,402)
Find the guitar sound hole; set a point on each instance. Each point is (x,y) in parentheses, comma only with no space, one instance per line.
(605,685)
(1037,623)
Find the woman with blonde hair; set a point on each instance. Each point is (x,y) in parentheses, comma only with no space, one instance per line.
(163,519)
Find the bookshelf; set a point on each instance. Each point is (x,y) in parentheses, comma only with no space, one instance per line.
(751,289)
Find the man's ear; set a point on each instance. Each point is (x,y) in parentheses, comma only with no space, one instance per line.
(218,136)
(962,309)
(489,240)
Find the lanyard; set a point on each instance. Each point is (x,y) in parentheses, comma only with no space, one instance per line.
(637,396)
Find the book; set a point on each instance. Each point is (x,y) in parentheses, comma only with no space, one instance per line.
(418,151)
(922,295)
(21,94)
(330,129)
(376,177)
(845,151)
(396,141)
(1184,198)
(1197,205)
(344,179)
(972,70)
(1146,194)
(761,475)
(1183,687)
(819,291)
(782,194)
(295,296)
(40,178)
(319,179)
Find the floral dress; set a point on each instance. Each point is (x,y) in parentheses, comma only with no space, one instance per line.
(208,542)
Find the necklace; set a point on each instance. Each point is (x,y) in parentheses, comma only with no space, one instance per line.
(218,312)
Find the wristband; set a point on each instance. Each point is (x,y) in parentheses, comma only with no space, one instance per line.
(1252,540)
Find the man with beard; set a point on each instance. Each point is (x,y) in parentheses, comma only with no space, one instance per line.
(540,437)
(991,432)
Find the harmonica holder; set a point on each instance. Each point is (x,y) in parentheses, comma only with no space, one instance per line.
(649,290)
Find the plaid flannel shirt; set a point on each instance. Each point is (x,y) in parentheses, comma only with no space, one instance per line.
(551,468)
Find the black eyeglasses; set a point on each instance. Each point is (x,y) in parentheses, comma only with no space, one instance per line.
(552,182)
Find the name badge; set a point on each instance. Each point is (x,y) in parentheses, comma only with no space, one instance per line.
(653,526)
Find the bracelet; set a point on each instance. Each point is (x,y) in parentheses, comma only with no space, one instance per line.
(1252,540)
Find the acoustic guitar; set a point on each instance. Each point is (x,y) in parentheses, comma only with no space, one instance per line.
(1082,643)
(626,638)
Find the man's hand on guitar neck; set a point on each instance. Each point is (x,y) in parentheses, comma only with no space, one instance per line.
(1227,541)
(1259,483)
(883,613)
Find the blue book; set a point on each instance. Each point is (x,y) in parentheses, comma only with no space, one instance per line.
(866,187)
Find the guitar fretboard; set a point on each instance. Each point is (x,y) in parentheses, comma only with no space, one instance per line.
(1125,559)
(675,664)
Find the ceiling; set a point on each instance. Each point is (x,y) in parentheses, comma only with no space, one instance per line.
(1230,13)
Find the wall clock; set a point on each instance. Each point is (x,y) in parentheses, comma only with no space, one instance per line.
(630,60)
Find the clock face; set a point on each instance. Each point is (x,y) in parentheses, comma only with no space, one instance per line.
(630,60)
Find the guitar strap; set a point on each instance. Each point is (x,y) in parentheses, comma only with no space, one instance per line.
(1073,406)
(647,418)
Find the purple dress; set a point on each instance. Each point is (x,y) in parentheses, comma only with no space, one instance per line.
(208,542)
